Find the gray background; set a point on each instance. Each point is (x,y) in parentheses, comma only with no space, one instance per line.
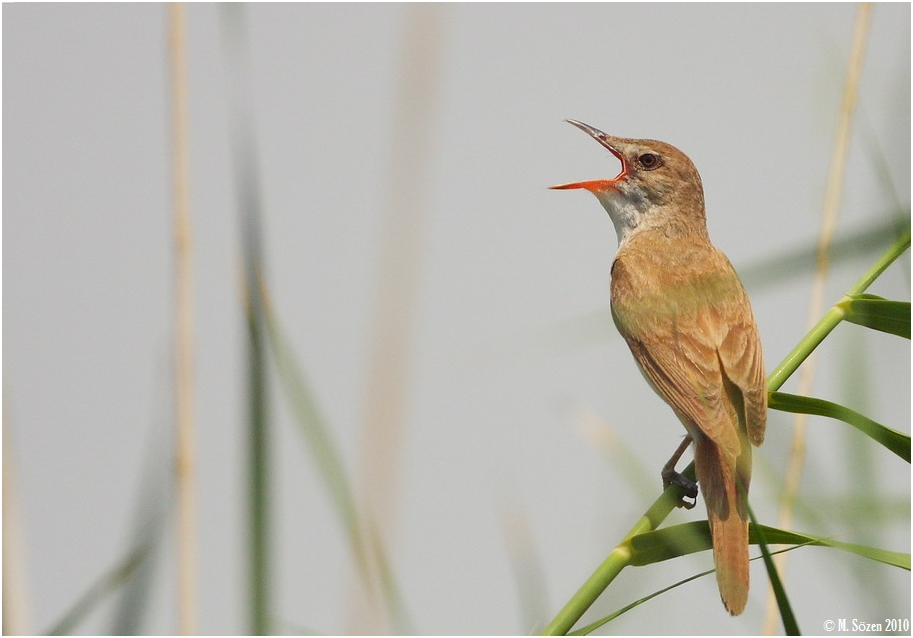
(512,339)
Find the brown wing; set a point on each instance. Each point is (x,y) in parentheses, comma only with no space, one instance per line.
(687,374)
(696,343)
(743,363)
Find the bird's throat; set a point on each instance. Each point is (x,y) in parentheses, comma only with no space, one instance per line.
(628,211)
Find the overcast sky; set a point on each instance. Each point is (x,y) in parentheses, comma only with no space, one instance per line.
(510,343)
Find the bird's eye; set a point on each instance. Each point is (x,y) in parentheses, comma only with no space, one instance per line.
(649,161)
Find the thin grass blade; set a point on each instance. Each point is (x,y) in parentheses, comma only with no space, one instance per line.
(588,629)
(247,186)
(316,434)
(363,539)
(776,583)
(154,509)
(897,442)
(99,590)
(678,540)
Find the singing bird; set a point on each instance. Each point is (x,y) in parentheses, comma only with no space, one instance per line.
(684,313)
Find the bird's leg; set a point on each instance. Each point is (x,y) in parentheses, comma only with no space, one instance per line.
(671,477)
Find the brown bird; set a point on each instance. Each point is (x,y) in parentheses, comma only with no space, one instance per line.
(681,307)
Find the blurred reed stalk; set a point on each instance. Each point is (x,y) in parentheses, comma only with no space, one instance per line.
(526,566)
(389,365)
(831,208)
(16,620)
(184,400)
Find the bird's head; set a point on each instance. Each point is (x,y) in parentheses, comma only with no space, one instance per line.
(658,187)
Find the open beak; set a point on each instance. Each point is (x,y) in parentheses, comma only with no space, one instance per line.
(597,185)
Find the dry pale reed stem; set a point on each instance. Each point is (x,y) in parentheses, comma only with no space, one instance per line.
(184,460)
(16,619)
(389,367)
(832,197)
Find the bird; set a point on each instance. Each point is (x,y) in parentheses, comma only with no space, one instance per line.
(683,311)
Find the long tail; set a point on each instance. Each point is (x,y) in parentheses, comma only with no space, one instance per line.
(728,518)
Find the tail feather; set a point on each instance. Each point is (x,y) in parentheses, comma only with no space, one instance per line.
(728,518)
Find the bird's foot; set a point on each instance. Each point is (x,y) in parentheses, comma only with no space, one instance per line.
(689,497)
(671,477)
